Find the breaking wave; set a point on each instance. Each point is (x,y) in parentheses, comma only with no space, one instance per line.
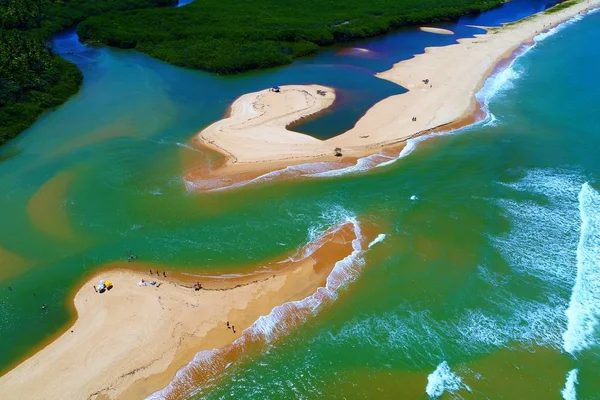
(584,307)
(569,392)
(273,326)
(544,232)
(443,380)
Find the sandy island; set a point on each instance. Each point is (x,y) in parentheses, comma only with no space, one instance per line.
(255,132)
(130,341)
(439,31)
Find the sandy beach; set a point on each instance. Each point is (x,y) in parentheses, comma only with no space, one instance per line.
(130,341)
(259,120)
(255,132)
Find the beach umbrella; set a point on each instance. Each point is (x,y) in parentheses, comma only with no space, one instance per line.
(108,283)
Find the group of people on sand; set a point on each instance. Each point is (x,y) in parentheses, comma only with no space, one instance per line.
(232,327)
(164,274)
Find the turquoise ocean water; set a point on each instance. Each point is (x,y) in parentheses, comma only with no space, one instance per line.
(486,284)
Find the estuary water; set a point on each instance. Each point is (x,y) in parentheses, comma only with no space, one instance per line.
(483,283)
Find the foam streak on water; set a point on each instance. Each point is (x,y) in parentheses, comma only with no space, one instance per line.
(569,392)
(443,380)
(584,307)
(380,238)
(276,324)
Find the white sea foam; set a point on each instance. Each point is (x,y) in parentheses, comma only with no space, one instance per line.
(380,238)
(584,307)
(569,392)
(415,334)
(187,146)
(362,164)
(272,326)
(495,85)
(443,380)
(553,31)
(544,232)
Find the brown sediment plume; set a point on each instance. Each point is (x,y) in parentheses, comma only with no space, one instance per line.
(47,209)
(487,378)
(131,340)
(441,83)
(118,129)
(12,264)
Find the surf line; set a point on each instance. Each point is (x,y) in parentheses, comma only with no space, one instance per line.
(207,365)
(258,148)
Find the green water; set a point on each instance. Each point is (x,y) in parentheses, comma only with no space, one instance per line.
(483,227)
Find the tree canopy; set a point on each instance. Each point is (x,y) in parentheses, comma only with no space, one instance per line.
(32,78)
(230,36)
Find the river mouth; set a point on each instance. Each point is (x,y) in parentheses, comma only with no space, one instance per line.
(457,259)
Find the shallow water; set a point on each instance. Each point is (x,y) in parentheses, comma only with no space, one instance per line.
(490,232)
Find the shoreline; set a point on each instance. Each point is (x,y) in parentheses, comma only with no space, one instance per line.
(448,100)
(100,350)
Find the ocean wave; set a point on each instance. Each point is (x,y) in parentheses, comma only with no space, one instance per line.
(497,84)
(443,380)
(362,164)
(584,306)
(569,391)
(277,323)
(553,31)
(544,233)
(505,320)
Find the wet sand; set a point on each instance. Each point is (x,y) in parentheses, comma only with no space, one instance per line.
(441,83)
(130,341)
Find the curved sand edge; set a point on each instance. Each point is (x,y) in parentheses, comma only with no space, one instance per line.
(455,73)
(257,124)
(130,341)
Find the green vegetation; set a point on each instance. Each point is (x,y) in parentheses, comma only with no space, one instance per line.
(229,36)
(32,78)
(561,6)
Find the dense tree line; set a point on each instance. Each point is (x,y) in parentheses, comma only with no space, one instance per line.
(32,78)
(229,36)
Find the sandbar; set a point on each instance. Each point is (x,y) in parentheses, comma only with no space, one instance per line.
(129,342)
(439,31)
(441,82)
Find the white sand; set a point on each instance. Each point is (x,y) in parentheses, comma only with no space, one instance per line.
(255,132)
(439,31)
